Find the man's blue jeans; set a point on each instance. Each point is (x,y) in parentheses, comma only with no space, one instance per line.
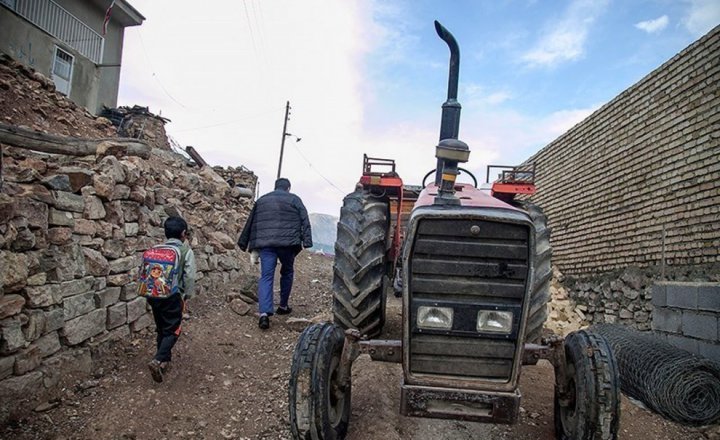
(268,261)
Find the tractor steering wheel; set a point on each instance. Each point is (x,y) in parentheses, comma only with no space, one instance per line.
(459,169)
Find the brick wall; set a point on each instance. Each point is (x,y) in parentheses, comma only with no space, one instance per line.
(686,315)
(641,175)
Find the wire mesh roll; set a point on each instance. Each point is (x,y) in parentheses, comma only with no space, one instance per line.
(675,383)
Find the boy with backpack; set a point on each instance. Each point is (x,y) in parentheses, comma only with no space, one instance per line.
(167,279)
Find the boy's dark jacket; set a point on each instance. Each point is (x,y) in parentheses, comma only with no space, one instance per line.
(278,219)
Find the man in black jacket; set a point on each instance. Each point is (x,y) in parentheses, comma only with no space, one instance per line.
(278,228)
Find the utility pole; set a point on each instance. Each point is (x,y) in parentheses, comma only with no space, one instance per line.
(284,135)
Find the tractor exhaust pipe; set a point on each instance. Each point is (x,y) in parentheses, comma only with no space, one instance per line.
(450,122)
(449,150)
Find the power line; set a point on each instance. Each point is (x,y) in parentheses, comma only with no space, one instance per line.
(147,58)
(252,36)
(318,172)
(219,124)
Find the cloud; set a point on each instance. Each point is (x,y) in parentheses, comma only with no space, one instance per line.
(564,39)
(652,26)
(702,15)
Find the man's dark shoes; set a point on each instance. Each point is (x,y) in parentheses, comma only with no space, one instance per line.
(264,322)
(283,310)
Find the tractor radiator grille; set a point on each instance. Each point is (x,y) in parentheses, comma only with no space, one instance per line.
(468,265)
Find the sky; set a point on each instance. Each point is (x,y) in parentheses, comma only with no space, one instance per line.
(370,77)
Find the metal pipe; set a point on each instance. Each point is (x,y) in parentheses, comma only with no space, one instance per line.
(450,123)
(450,119)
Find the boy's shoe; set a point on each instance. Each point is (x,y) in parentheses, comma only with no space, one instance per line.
(156,370)
(283,310)
(264,322)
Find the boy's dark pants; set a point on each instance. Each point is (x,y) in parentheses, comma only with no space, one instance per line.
(168,316)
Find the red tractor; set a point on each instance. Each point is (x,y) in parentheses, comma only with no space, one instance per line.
(473,268)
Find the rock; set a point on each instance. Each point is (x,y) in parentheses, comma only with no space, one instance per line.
(116,315)
(131,229)
(27,360)
(136,308)
(54,319)
(68,201)
(114,213)
(12,336)
(46,406)
(121,192)
(94,209)
(240,307)
(95,263)
(6,366)
(84,226)
(43,296)
(297,324)
(37,280)
(24,240)
(59,182)
(110,166)
(74,306)
(129,291)
(21,386)
(120,279)
(48,344)
(142,322)
(107,297)
(84,327)
(221,240)
(229,297)
(11,305)
(59,235)
(7,208)
(78,177)
(63,263)
(35,212)
(104,186)
(112,248)
(60,218)
(35,326)
(123,264)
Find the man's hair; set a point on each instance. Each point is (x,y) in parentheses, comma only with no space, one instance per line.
(174,227)
(283,184)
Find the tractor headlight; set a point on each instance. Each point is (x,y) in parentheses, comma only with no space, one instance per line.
(435,317)
(494,321)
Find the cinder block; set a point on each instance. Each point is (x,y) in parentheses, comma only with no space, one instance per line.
(683,296)
(667,320)
(659,295)
(709,298)
(684,343)
(709,350)
(699,325)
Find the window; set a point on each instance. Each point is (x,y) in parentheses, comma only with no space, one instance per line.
(62,71)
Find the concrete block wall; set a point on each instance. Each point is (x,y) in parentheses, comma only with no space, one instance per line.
(687,315)
(640,177)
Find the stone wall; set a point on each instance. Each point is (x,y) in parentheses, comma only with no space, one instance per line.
(71,234)
(632,193)
(240,176)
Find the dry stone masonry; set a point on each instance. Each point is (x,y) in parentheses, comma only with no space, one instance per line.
(72,229)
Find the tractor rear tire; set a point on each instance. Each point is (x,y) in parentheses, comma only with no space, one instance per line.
(537,310)
(591,408)
(319,405)
(359,271)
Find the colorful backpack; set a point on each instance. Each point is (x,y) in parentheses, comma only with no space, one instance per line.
(161,271)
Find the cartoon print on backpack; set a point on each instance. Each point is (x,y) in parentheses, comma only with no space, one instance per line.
(159,272)
(157,284)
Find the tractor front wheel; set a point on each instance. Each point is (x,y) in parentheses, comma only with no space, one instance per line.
(319,404)
(589,407)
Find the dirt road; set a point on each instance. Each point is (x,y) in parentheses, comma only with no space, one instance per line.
(229,381)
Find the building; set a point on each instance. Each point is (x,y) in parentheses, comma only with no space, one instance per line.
(77,43)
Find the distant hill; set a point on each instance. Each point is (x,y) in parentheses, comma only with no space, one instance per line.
(324,231)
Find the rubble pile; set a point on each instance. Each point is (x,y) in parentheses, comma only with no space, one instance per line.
(29,98)
(564,315)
